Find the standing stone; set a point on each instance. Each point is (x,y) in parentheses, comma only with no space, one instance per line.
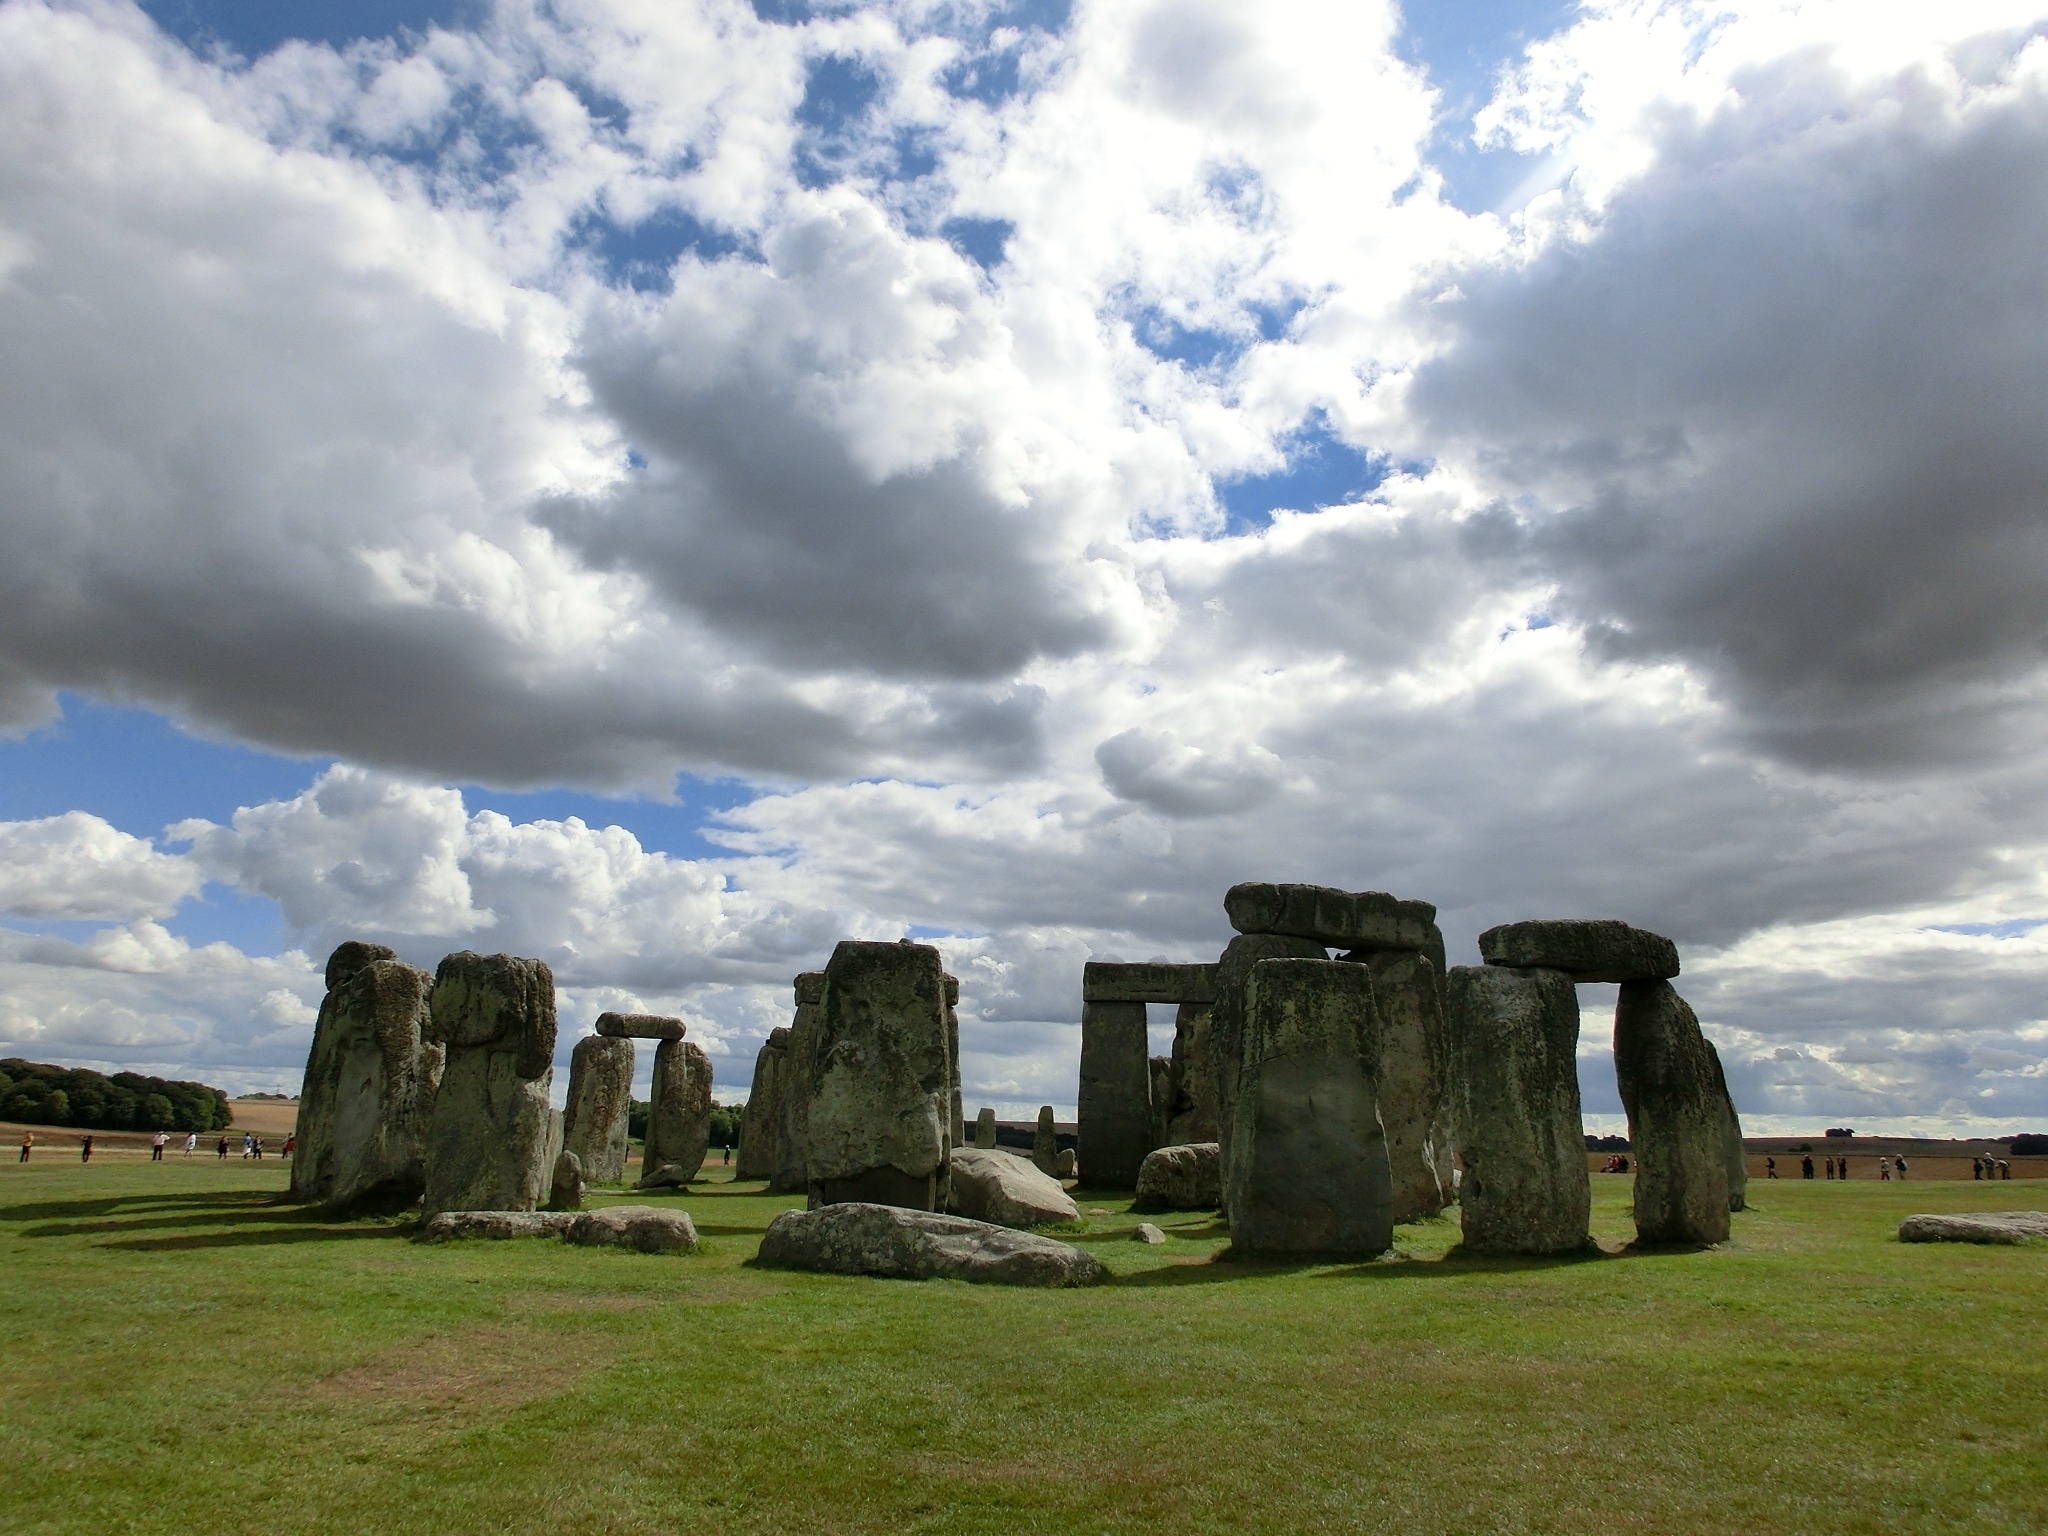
(762,1123)
(565,1189)
(369,1085)
(1191,1116)
(600,1107)
(1675,1116)
(1115,1108)
(1227,1015)
(1514,1038)
(1160,1073)
(883,1087)
(678,1115)
(799,1079)
(490,1141)
(1733,1154)
(955,1125)
(985,1129)
(1045,1142)
(1413,1072)
(1307,1172)
(1066,1166)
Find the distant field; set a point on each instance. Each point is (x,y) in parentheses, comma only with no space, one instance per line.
(184,1352)
(272,1119)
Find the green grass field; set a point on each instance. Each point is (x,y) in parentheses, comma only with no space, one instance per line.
(185,1353)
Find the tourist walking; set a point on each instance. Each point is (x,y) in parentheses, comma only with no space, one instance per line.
(1806,1166)
(28,1143)
(259,1149)
(290,1142)
(85,1150)
(1900,1162)
(157,1143)
(1884,1170)
(248,1145)
(221,1151)
(191,1142)
(2004,1169)
(1770,1167)
(1831,1167)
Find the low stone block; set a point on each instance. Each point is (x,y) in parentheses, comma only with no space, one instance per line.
(1007,1190)
(1332,918)
(1065,1165)
(565,1193)
(452,1226)
(1586,949)
(640,1026)
(1975,1227)
(1145,1232)
(1183,1178)
(1109,981)
(894,1243)
(642,1228)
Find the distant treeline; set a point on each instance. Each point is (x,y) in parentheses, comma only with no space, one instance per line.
(724,1123)
(45,1095)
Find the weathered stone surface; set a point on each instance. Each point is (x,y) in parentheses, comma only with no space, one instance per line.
(1064,1164)
(1414,1076)
(600,1107)
(1307,1170)
(1586,949)
(1332,918)
(1734,1156)
(1514,1080)
(799,1078)
(565,1189)
(1145,1232)
(877,1121)
(985,1128)
(1045,1142)
(678,1116)
(954,1122)
(450,1226)
(762,1122)
(1191,1107)
(642,1228)
(369,1086)
(1159,1073)
(1675,1105)
(492,1137)
(1007,1190)
(1226,1016)
(1115,1108)
(640,1026)
(1975,1227)
(1183,1178)
(896,1243)
(1111,981)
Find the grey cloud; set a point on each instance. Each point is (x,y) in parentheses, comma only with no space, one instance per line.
(1155,768)
(1786,409)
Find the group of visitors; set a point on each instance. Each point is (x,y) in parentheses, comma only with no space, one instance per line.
(1990,1168)
(1838,1167)
(252,1146)
(1615,1164)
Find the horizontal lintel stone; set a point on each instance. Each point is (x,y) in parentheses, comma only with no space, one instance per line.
(640,1026)
(1106,981)
(1585,948)
(1335,919)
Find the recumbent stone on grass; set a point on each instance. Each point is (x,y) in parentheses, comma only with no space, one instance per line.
(893,1242)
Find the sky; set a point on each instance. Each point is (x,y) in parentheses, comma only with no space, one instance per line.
(666,485)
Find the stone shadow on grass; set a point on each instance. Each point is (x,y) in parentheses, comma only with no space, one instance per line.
(108,1205)
(1223,1267)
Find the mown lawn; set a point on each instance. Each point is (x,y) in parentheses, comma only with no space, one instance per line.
(184,1353)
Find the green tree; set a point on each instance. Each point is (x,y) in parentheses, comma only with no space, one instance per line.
(56,1109)
(157,1114)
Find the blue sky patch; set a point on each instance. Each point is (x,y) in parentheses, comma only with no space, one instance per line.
(2011,928)
(1321,471)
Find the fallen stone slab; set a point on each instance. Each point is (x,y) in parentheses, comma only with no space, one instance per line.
(642,1228)
(1109,981)
(1335,919)
(1006,1190)
(450,1226)
(1584,948)
(641,1026)
(894,1242)
(1184,1178)
(1975,1227)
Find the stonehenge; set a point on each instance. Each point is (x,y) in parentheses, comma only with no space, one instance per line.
(1514,1036)
(1586,949)
(881,1079)
(1226,1016)
(600,1104)
(1115,1098)
(1189,1113)
(1306,1169)
(490,1143)
(1010,1191)
(761,1125)
(369,1088)
(985,1129)
(678,1114)
(1045,1142)
(1733,1156)
(1414,1074)
(1331,918)
(1188,1177)
(1674,1096)
(798,1069)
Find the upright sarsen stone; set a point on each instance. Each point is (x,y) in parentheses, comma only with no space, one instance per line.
(800,1077)
(1307,1168)
(1734,1156)
(883,1089)
(1191,1112)
(761,1125)
(369,1085)
(985,1130)
(491,1138)
(1514,1038)
(1227,1015)
(1676,1119)
(1414,1068)
(1045,1143)
(600,1108)
(678,1115)
(1115,1100)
